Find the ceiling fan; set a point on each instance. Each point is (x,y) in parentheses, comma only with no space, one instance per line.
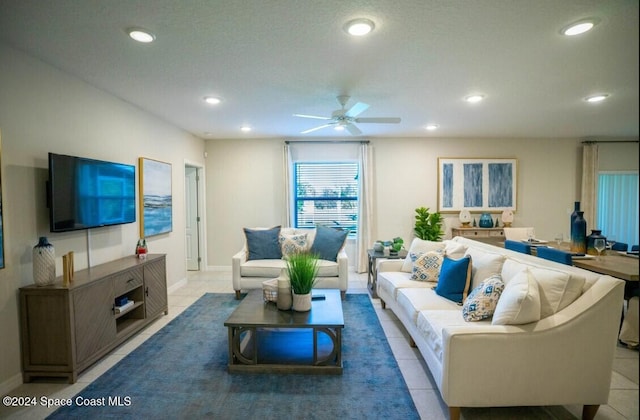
(346,118)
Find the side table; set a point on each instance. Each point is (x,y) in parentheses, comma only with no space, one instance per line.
(372,274)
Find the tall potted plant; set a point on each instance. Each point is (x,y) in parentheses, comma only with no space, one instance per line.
(428,225)
(302,268)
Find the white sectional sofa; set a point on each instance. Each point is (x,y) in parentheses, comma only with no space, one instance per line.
(564,358)
(249,274)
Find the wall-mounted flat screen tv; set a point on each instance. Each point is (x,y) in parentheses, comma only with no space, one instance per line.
(87,193)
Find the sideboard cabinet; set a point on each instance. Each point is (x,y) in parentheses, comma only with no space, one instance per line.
(489,235)
(67,328)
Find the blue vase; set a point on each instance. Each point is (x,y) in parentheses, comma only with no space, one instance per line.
(576,209)
(579,234)
(485,221)
(595,234)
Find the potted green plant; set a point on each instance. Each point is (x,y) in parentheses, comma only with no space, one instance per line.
(302,268)
(395,245)
(428,225)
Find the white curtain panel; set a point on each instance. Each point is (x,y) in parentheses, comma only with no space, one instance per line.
(589,183)
(365,211)
(288,187)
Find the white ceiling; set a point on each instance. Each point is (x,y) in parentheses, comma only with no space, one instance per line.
(270,59)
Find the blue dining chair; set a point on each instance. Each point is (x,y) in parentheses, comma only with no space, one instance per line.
(635,248)
(553,254)
(620,246)
(517,246)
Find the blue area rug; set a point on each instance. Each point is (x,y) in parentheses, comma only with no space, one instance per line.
(181,372)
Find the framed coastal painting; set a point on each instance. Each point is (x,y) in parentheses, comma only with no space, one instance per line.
(477,184)
(155,197)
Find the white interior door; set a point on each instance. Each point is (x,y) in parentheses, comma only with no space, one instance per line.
(193,218)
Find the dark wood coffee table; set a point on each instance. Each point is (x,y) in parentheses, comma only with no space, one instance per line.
(265,339)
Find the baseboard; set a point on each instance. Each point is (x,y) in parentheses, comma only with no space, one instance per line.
(10,384)
(219,268)
(177,285)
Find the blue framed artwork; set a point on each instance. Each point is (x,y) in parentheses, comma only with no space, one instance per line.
(155,197)
(477,185)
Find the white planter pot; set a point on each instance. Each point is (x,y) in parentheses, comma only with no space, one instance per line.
(302,303)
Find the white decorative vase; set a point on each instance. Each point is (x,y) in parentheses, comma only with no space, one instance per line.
(284,291)
(44,263)
(302,303)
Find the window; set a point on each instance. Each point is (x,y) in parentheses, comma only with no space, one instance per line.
(618,206)
(326,193)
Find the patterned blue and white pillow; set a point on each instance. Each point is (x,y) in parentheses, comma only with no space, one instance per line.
(426,266)
(481,302)
(291,244)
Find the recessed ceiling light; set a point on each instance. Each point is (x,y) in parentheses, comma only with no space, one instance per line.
(212,100)
(472,99)
(596,98)
(579,27)
(141,35)
(432,127)
(245,128)
(359,27)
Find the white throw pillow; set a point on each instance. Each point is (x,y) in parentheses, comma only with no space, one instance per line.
(519,302)
(485,265)
(558,289)
(454,250)
(419,246)
(427,266)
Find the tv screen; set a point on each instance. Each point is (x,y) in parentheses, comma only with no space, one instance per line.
(87,193)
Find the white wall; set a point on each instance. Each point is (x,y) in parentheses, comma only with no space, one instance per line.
(44,110)
(245,187)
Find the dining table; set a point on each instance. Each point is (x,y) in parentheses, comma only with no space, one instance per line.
(613,263)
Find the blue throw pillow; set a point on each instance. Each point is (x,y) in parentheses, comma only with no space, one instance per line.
(263,244)
(455,279)
(328,242)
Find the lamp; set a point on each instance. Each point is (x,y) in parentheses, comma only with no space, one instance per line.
(507,218)
(465,218)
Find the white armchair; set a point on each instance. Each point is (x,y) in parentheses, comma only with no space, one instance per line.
(249,274)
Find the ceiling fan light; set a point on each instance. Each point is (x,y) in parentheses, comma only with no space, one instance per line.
(579,27)
(359,27)
(596,98)
(473,99)
(212,100)
(339,128)
(141,35)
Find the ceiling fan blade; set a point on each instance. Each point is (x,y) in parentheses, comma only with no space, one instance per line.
(315,128)
(382,120)
(311,116)
(357,109)
(353,130)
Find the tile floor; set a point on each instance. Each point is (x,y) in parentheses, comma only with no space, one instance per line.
(623,399)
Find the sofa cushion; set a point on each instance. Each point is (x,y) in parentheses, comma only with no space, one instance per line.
(427,266)
(412,300)
(485,265)
(455,279)
(263,243)
(293,243)
(419,246)
(392,281)
(520,301)
(481,302)
(328,242)
(271,268)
